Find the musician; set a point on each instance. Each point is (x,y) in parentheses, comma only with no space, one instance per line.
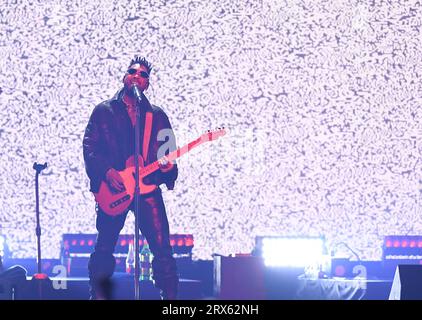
(108,142)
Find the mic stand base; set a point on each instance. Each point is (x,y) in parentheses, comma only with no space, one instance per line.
(40,276)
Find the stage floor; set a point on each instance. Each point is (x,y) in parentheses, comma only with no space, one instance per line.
(77,288)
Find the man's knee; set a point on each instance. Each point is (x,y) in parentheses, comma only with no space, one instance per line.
(164,267)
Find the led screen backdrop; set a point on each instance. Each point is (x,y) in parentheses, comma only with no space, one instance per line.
(322,101)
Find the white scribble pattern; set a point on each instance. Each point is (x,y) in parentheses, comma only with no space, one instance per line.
(322,100)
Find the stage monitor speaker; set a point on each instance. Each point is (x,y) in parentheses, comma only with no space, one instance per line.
(407,283)
(239,278)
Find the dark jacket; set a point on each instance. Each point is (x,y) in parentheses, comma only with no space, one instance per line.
(110,138)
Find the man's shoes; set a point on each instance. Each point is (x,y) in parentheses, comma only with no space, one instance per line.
(168,295)
(169,291)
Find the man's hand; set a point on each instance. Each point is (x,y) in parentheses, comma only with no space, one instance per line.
(114,180)
(164,164)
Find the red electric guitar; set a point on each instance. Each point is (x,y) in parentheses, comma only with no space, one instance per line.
(114,204)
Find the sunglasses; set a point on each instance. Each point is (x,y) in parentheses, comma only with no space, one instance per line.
(143,74)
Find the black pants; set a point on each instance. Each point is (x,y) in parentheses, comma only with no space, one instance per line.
(154,226)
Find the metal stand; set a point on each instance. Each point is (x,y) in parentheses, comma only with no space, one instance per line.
(137,194)
(39,275)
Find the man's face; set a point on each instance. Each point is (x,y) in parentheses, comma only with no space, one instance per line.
(137,74)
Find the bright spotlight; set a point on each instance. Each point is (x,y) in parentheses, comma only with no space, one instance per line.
(2,245)
(291,251)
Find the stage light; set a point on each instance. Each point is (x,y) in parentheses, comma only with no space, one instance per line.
(77,249)
(405,249)
(5,253)
(189,241)
(291,251)
(2,245)
(182,245)
(340,271)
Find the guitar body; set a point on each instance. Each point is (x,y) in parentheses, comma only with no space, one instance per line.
(115,204)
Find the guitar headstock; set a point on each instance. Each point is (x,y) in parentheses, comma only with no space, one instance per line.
(212,135)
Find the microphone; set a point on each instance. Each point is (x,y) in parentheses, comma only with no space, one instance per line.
(137,93)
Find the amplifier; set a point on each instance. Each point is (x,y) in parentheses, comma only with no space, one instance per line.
(77,248)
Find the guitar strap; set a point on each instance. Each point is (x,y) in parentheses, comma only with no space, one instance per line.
(147,135)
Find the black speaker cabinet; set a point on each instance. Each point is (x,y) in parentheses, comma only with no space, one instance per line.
(239,278)
(407,283)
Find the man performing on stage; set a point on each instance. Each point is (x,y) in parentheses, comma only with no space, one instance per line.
(108,143)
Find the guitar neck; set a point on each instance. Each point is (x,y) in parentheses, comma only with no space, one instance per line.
(172,156)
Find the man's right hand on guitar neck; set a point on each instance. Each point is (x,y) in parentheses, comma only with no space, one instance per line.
(114,180)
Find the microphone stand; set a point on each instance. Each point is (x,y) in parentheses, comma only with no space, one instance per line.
(39,275)
(137,193)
